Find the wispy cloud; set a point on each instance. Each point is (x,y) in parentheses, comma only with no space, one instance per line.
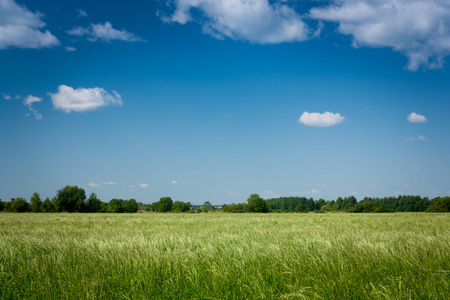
(104,32)
(416,118)
(83,99)
(7,97)
(28,101)
(143,185)
(81,13)
(413,139)
(174,182)
(21,28)
(269,194)
(71,49)
(109,183)
(94,184)
(325,119)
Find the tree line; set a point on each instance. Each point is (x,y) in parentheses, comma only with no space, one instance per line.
(73,199)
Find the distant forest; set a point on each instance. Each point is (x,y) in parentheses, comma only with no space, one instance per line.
(73,199)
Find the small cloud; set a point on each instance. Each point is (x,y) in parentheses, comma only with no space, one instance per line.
(17,97)
(314,192)
(321,184)
(269,195)
(174,182)
(7,97)
(109,182)
(416,118)
(94,184)
(143,185)
(71,49)
(325,119)
(227,116)
(416,168)
(104,32)
(83,99)
(419,138)
(132,186)
(28,101)
(81,13)
(373,185)
(354,193)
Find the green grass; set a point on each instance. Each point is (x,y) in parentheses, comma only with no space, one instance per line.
(225,256)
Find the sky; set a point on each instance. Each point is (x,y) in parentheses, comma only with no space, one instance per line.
(203,100)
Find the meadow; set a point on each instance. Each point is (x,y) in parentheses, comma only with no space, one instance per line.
(225,256)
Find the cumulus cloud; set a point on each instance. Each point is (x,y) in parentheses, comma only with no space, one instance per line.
(28,101)
(143,185)
(83,99)
(257,21)
(70,49)
(325,119)
(419,29)
(94,184)
(416,118)
(21,28)
(7,97)
(174,182)
(104,32)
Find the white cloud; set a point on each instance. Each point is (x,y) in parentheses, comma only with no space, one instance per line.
(132,186)
(416,168)
(21,28)
(269,195)
(7,97)
(109,182)
(28,101)
(82,99)
(321,184)
(70,49)
(143,185)
(104,32)
(257,21)
(419,138)
(314,192)
(94,184)
(373,185)
(174,182)
(419,29)
(416,118)
(81,13)
(325,119)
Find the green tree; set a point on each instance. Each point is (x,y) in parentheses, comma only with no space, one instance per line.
(93,203)
(20,205)
(130,206)
(115,206)
(165,204)
(440,205)
(256,204)
(36,203)
(207,207)
(180,206)
(48,206)
(301,208)
(70,199)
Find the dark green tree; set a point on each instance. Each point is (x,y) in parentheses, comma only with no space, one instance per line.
(36,203)
(116,206)
(256,204)
(165,204)
(301,208)
(70,199)
(440,205)
(48,206)
(130,206)
(93,203)
(180,206)
(20,205)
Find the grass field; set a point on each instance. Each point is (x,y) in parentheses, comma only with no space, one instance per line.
(225,256)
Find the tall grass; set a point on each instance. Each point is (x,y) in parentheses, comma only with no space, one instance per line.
(224,256)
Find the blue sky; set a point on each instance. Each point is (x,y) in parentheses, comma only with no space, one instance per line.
(214,100)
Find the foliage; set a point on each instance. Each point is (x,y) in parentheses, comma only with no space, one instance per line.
(256,204)
(207,207)
(36,203)
(130,206)
(70,199)
(440,205)
(20,205)
(301,208)
(93,204)
(47,206)
(180,206)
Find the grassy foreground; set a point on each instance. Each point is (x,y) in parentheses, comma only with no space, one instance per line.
(225,256)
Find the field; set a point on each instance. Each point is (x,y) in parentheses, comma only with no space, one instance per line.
(225,256)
